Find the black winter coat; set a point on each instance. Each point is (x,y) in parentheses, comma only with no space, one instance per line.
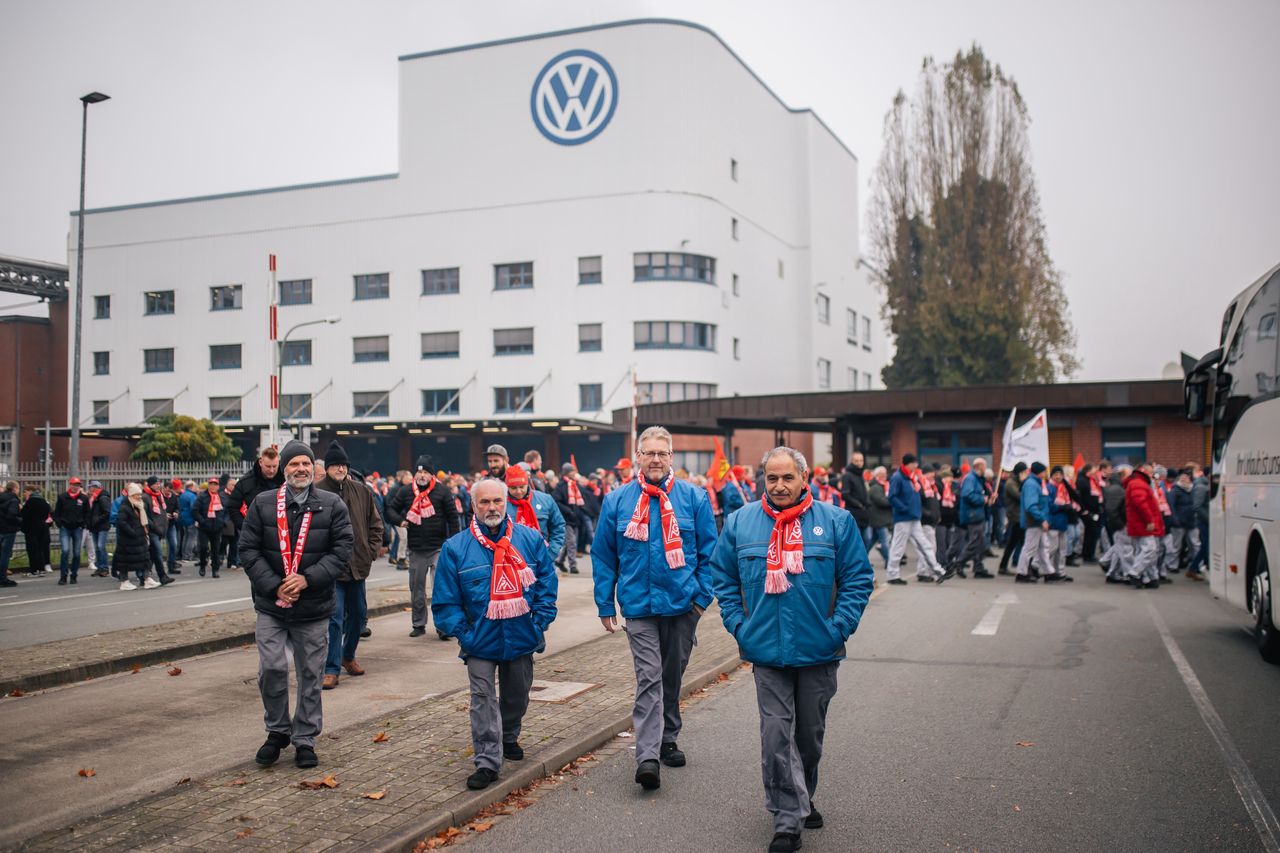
(133,547)
(568,510)
(35,518)
(10,513)
(325,554)
(1113,505)
(71,512)
(247,488)
(431,533)
(209,525)
(853,489)
(100,512)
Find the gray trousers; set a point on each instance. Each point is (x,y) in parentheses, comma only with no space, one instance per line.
(499,698)
(1036,545)
(1058,547)
(309,642)
(421,564)
(793,719)
(1117,558)
(949,542)
(660,649)
(1173,541)
(1146,555)
(975,545)
(914,531)
(569,553)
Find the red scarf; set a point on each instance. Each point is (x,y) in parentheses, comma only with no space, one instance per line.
(927,487)
(948,496)
(1062,497)
(638,528)
(291,557)
(93,496)
(524,511)
(786,544)
(155,501)
(575,494)
(826,493)
(511,574)
(422,507)
(1162,498)
(215,503)
(1095,485)
(913,476)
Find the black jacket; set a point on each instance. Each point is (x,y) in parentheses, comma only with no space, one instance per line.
(71,512)
(366,524)
(100,512)
(568,510)
(35,517)
(247,488)
(325,554)
(432,532)
(1089,505)
(880,511)
(133,548)
(1113,505)
(159,520)
(931,508)
(209,525)
(853,489)
(10,513)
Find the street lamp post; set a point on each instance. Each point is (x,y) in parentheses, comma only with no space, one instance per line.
(74,462)
(275,427)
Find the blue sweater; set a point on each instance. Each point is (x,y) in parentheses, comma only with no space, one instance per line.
(973,500)
(904,498)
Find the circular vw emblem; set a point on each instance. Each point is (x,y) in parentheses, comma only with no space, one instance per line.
(574,97)
(817,531)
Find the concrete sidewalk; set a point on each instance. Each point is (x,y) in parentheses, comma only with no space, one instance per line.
(421,766)
(44,665)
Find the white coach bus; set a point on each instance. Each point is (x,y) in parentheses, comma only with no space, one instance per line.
(1237,386)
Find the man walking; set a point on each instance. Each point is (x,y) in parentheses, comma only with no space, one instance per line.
(295,542)
(760,605)
(853,491)
(1145,525)
(904,496)
(99,527)
(496,592)
(534,509)
(265,476)
(157,525)
(71,514)
(187,522)
(210,518)
(10,524)
(972,513)
(1035,521)
(350,606)
(569,501)
(653,552)
(426,509)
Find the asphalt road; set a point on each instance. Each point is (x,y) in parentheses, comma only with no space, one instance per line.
(923,741)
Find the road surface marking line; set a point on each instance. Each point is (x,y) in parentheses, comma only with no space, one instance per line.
(79,595)
(2,597)
(224,601)
(990,623)
(1255,802)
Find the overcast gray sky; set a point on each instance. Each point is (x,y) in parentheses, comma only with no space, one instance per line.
(1155,123)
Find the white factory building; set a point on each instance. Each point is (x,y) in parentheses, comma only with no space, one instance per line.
(567,205)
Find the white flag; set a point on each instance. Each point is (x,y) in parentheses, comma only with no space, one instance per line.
(1028,443)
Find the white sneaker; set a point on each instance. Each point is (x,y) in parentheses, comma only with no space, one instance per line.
(150,583)
(126,586)
(48,570)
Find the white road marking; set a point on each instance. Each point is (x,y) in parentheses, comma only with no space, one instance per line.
(991,622)
(1255,802)
(2,597)
(115,588)
(224,601)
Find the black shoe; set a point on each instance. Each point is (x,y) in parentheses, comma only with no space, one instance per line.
(960,573)
(1151,585)
(367,632)
(175,571)
(202,571)
(216,575)
(925,578)
(1115,580)
(671,755)
(1136,583)
(1072,561)
(574,571)
(482,778)
(814,820)
(784,842)
(1166,579)
(443,636)
(1023,579)
(1055,577)
(417,631)
(164,581)
(982,573)
(304,756)
(74,579)
(513,752)
(269,752)
(988,553)
(1003,570)
(648,775)
(6,583)
(560,566)
(897,581)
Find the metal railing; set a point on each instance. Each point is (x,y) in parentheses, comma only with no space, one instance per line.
(53,478)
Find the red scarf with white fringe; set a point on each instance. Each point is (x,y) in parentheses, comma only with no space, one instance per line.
(786,544)
(638,528)
(422,507)
(511,574)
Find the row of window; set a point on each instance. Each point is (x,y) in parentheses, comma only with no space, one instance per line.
(853,323)
(851,379)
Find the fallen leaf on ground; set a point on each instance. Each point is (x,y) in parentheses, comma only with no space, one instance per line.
(434,842)
(136,668)
(374,795)
(211,613)
(245,833)
(482,827)
(1025,743)
(177,670)
(408,610)
(238,783)
(184,780)
(453,832)
(722,677)
(16,692)
(87,772)
(329,781)
(380,737)
(1017,808)
(557,670)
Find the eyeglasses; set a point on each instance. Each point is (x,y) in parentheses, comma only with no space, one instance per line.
(654,454)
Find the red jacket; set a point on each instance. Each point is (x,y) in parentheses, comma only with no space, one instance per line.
(1140,506)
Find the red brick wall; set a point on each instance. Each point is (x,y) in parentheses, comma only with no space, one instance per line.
(902,438)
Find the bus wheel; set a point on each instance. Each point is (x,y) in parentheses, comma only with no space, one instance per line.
(1264,630)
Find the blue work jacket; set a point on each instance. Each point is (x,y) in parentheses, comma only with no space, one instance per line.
(904,498)
(550,520)
(810,622)
(1035,506)
(460,597)
(186,508)
(731,500)
(973,500)
(637,572)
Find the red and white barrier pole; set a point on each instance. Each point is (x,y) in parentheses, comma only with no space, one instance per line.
(273,336)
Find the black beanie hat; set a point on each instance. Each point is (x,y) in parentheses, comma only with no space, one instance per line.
(908,458)
(1037,468)
(1019,468)
(425,463)
(294,449)
(335,455)
(152,480)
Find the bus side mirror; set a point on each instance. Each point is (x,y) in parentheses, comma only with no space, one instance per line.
(1195,396)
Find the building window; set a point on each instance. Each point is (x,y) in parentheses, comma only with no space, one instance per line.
(375,348)
(102,307)
(866,332)
(437,402)
(295,353)
(824,373)
(590,337)
(733,227)
(736,291)
(513,400)
(293,406)
(678,266)
(158,302)
(733,176)
(444,280)
(224,357)
(851,326)
(590,398)
(1124,445)
(513,341)
(440,344)
(866,382)
(737,350)
(675,335)
(101,363)
(157,408)
(224,409)
(590,270)
(101,412)
(371,404)
(157,360)
(6,446)
(295,292)
(853,379)
(373,286)
(674,392)
(513,276)
(824,309)
(229,297)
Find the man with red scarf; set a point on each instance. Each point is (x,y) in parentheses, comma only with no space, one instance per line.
(210,516)
(791,567)
(71,514)
(822,489)
(534,508)
(495,591)
(1144,523)
(428,512)
(652,552)
(572,506)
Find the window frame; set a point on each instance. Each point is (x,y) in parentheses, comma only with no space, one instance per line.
(213,365)
(106,365)
(146,358)
(150,305)
(99,302)
(293,413)
(586,276)
(100,412)
(451,276)
(511,349)
(372,356)
(285,361)
(376,285)
(455,353)
(218,291)
(689,330)
(231,415)
(583,343)
(294,291)
(583,396)
(507,277)
(450,393)
(702,267)
(823,302)
(824,374)
(384,396)
(516,393)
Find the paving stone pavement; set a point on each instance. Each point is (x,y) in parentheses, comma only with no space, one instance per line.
(422,767)
(59,662)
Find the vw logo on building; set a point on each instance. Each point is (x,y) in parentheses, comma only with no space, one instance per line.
(574,97)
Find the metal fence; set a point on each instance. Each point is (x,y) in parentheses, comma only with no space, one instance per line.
(53,478)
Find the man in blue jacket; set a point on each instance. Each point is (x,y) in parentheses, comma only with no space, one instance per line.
(792,577)
(1035,521)
(187,521)
(973,512)
(534,509)
(653,552)
(904,497)
(495,591)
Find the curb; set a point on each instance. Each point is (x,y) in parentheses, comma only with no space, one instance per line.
(468,804)
(111,666)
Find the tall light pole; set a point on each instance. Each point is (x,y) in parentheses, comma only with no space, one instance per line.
(275,427)
(74,462)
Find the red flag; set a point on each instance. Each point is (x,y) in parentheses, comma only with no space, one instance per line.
(719,469)
(1078,462)
(574,463)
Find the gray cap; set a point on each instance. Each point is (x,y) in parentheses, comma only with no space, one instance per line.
(497,450)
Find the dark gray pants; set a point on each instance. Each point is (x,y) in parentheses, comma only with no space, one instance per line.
(499,698)
(568,555)
(793,719)
(309,642)
(660,649)
(421,565)
(975,545)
